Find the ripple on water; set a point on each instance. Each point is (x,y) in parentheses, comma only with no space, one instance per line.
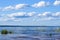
(28,37)
(16,37)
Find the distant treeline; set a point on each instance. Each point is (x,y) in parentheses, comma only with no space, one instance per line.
(25,26)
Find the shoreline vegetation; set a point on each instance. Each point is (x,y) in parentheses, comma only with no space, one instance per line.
(24,26)
(4,31)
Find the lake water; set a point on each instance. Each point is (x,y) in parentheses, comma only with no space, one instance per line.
(31,33)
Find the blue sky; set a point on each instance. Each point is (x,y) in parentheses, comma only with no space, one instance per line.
(30,12)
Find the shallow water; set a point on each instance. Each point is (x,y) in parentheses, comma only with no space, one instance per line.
(28,37)
(30,33)
(17,37)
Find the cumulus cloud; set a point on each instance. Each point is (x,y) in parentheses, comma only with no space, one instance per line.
(57,14)
(31,14)
(8,8)
(22,14)
(18,6)
(40,4)
(16,16)
(49,15)
(57,2)
(45,14)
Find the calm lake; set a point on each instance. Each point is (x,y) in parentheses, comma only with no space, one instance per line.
(31,33)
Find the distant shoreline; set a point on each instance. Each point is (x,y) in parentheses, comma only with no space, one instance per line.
(25,26)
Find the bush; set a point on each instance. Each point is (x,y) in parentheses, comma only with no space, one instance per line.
(10,32)
(50,34)
(4,32)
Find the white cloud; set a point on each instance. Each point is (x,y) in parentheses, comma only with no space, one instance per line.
(8,8)
(49,16)
(45,14)
(57,2)
(40,4)
(18,6)
(21,14)
(57,14)
(31,13)
(16,16)
(6,17)
(39,15)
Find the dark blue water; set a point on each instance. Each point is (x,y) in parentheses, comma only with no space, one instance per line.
(31,33)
